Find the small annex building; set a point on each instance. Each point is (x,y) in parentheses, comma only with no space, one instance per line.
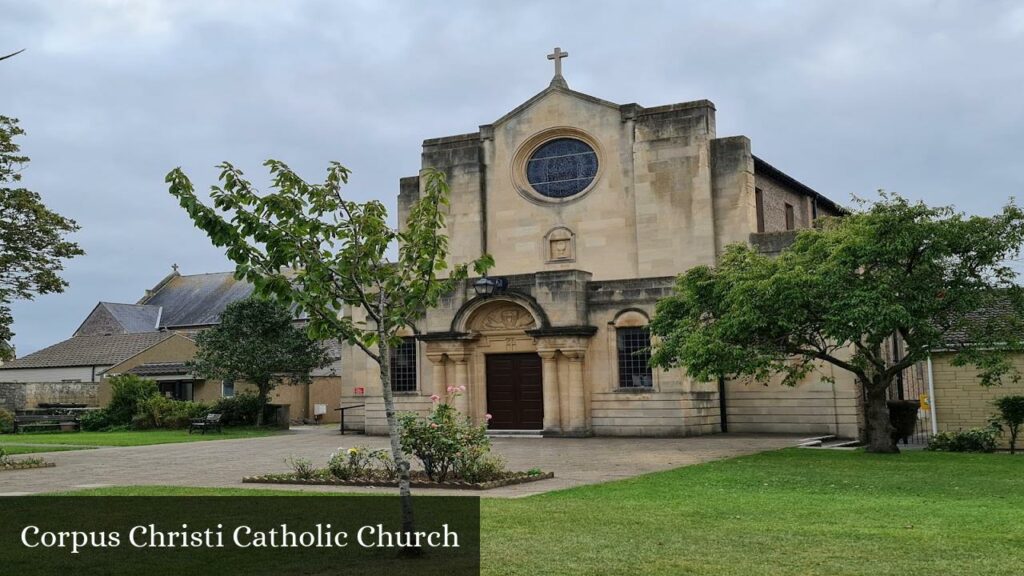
(152,338)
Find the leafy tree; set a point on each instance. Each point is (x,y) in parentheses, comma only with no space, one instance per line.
(932,277)
(305,243)
(1010,418)
(32,244)
(257,340)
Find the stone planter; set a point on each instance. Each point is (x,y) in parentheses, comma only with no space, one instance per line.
(517,478)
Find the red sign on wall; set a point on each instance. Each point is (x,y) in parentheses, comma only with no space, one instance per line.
(359,391)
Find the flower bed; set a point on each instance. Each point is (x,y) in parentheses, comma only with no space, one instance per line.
(419,480)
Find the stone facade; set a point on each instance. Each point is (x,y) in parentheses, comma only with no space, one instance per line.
(588,267)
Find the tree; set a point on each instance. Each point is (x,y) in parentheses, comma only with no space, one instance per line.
(32,243)
(257,340)
(1011,415)
(931,277)
(307,244)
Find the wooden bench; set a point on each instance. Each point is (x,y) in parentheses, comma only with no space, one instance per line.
(211,422)
(23,421)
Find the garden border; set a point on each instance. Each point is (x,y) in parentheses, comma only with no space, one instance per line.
(25,466)
(518,478)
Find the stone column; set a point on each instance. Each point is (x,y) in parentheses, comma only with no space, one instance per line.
(549,365)
(437,374)
(577,402)
(461,379)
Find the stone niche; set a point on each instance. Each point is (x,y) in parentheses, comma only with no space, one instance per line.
(559,246)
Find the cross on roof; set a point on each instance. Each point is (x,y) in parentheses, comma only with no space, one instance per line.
(557,56)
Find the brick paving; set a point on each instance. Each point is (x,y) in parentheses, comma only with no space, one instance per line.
(223,463)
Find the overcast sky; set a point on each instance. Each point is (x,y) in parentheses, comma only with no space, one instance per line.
(922,98)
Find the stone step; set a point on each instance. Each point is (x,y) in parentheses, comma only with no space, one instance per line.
(816,441)
(514,434)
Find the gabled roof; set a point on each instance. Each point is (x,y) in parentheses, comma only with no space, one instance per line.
(554,88)
(197,299)
(98,350)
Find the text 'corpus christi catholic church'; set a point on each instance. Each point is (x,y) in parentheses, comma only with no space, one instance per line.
(590,209)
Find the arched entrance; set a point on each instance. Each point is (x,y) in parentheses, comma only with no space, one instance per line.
(510,385)
(514,365)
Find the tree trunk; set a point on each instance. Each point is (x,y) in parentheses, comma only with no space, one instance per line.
(401,463)
(879,427)
(264,391)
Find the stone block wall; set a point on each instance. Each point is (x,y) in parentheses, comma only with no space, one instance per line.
(961,402)
(26,395)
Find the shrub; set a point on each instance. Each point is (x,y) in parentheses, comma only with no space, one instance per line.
(484,469)
(127,392)
(95,420)
(361,462)
(6,422)
(445,441)
(973,440)
(302,468)
(160,412)
(1010,418)
(238,410)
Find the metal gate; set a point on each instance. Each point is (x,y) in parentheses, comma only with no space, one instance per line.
(912,384)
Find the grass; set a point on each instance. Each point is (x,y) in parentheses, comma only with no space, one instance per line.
(13,450)
(131,437)
(783,513)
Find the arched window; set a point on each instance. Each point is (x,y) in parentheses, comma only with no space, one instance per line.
(633,344)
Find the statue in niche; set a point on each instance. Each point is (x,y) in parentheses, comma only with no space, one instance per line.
(560,244)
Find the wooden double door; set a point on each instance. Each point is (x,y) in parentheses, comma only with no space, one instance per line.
(515,392)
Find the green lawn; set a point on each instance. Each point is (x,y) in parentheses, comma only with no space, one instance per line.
(789,512)
(130,438)
(12,450)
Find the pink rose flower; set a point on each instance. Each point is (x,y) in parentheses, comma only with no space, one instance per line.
(488,416)
(435,398)
(433,424)
(462,388)
(451,389)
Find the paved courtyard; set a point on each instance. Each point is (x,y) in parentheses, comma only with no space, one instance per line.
(223,463)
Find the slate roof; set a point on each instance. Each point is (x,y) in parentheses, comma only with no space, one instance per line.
(134,317)
(197,299)
(99,350)
(159,369)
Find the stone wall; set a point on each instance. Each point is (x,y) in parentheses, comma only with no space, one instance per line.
(775,195)
(961,402)
(27,395)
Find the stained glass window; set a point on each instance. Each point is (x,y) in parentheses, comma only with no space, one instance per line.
(562,167)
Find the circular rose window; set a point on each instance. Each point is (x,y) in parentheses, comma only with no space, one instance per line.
(561,168)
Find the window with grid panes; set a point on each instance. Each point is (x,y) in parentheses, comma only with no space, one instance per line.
(403,366)
(634,347)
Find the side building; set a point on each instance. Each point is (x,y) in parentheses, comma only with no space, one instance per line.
(153,338)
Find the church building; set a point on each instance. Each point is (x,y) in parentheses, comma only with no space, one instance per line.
(590,210)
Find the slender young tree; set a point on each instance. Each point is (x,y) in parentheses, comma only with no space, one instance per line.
(307,244)
(931,277)
(257,340)
(32,237)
